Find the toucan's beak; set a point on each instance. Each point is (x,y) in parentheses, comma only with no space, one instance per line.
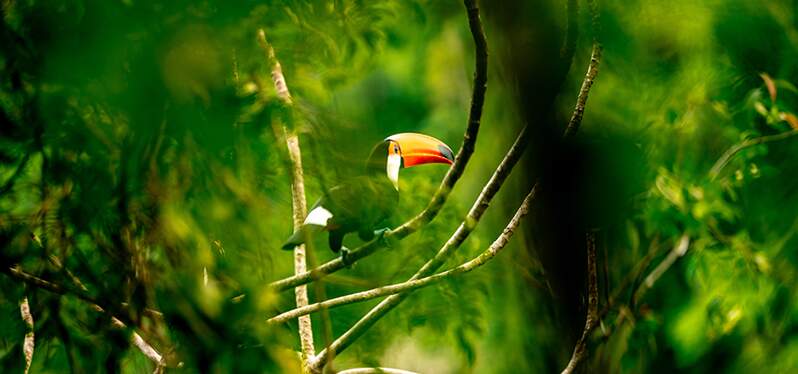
(419,149)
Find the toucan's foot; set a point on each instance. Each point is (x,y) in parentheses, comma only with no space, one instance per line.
(386,241)
(346,258)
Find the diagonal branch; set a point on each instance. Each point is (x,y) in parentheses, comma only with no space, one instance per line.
(625,312)
(726,157)
(297,194)
(466,226)
(34,281)
(452,176)
(470,137)
(466,267)
(590,76)
(580,350)
(678,251)
(482,202)
(410,285)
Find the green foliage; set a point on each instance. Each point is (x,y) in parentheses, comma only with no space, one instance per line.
(140,166)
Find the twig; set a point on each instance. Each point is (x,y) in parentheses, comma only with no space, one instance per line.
(452,176)
(580,350)
(590,76)
(678,251)
(726,157)
(626,312)
(413,284)
(297,195)
(136,339)
(32,280)
(142,345)
(631,277)
(29,343)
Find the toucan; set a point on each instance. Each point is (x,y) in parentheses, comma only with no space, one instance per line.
(363,202)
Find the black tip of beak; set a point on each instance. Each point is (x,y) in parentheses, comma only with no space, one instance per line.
(446,152)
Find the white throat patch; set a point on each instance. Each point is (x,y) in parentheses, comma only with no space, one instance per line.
(392,168)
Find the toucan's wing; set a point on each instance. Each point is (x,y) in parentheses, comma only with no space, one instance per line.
(360,201)
(349,206)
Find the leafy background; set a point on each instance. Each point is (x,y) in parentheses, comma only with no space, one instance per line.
(138,150)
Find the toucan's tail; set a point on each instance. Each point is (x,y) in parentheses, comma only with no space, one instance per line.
(302,235)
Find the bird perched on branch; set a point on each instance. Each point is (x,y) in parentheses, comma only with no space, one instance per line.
(362,203)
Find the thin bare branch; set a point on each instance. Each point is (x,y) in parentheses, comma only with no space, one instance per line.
(678,251)
(631,277)
(590,76)
(413,284)
(141,344)
(452,176)
(727,156)
(29,343)
(625,312)
(32,280)
(82,294)
(297,195)
(587,83)
(580,350)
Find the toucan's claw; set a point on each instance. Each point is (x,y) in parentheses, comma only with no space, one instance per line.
(386,241)
(345,257)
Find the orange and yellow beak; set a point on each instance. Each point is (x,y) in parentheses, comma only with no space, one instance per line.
(419,149)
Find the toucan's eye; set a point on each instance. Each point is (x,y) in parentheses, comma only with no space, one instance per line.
(396,149)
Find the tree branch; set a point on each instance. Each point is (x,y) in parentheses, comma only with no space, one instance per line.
(678,251)
(482,202)
(580,350)
(297,194)
(466,226)
(29,343)
(34,281)
(410,285)
(452,176)
(726,157)
(470,136)
(631,277)
(590,76)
